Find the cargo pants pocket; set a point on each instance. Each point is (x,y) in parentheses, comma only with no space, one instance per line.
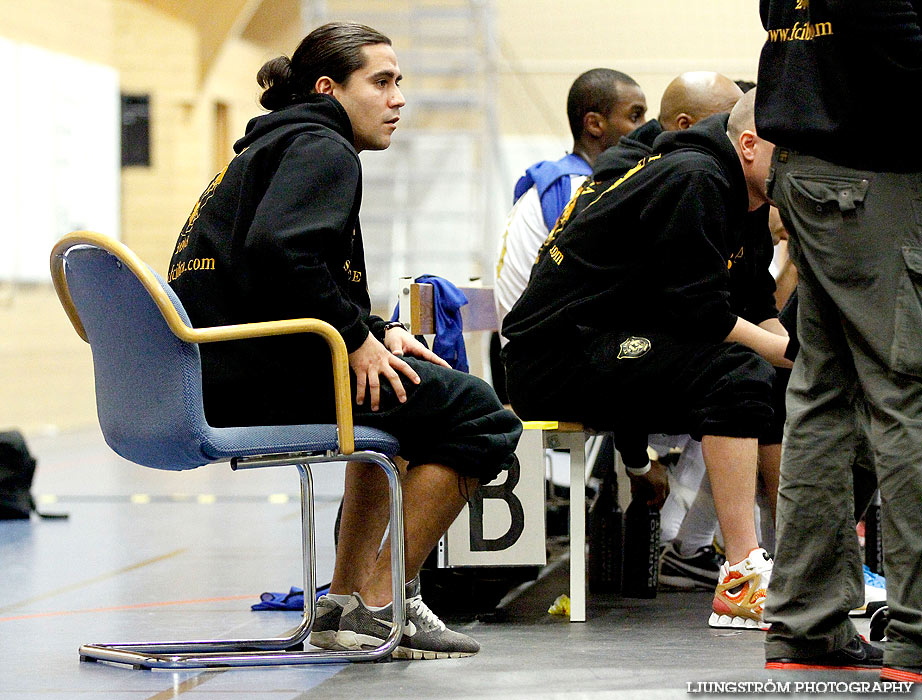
(824,199)
(906,351)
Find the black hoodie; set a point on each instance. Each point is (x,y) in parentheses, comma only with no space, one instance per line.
(829,68)
(617,160)
(647,251)
(751,282)
(275,236)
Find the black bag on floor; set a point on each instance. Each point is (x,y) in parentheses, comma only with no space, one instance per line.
(17,468)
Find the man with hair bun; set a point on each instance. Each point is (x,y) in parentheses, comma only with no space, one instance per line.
(282,225)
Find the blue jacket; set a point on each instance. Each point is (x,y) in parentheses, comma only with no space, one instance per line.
(552,180)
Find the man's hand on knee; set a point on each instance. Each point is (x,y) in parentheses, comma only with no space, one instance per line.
(371,362)
(400,342)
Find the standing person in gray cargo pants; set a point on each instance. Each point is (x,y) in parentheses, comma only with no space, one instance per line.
(856,238)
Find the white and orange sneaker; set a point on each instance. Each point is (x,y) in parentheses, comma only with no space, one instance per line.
(740,592)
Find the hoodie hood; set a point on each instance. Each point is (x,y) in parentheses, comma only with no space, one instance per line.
(708,136)
(318,110)
(623,156)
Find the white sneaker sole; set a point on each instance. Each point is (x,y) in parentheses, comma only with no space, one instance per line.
(736,622)
(324,640)
(352,641)
(872,594)
(418,655)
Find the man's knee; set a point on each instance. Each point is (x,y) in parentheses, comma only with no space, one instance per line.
(740,401)
(455,419)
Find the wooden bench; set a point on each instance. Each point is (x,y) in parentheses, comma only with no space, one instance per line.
(479,315)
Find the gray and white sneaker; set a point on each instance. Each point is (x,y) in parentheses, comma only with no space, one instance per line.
(698,572)
(425,636)
(326,623)
(324,633)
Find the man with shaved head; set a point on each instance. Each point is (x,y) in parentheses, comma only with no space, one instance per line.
(695,95)
(630,300)
(689,561)
(688,99)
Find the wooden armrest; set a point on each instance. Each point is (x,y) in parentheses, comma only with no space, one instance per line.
(479,314)
(340,357)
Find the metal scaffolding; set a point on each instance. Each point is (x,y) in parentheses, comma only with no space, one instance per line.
(429,200)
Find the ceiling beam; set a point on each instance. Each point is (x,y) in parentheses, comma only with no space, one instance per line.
(215,28)
(215,22)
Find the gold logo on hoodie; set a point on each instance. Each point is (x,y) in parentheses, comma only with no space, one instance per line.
(203,200)
(351,275)
(634,347)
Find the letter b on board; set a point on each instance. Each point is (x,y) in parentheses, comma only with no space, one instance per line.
(503,492)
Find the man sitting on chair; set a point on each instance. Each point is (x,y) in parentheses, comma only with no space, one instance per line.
(276,235)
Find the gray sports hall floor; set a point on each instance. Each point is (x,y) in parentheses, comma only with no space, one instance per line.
(153,555)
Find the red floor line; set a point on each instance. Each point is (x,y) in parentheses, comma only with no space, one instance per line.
(135,606)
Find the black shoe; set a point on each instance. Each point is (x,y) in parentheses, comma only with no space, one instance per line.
(698,572)
(857,655)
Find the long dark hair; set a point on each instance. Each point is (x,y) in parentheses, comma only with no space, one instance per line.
(333,50)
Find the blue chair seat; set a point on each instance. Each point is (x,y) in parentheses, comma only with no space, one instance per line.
(226,443)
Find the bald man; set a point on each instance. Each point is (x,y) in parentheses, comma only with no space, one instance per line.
(692,96)
(688,99)
(630,301)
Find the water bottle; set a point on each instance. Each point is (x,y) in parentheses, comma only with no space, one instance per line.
(641,550)
(873,539)
(604,529)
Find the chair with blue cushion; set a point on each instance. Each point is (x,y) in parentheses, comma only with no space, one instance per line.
(149,400)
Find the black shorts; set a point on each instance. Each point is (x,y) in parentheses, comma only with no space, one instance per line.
(639,383)
(449,418)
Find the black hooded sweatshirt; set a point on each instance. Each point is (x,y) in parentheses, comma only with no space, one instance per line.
(827,70)
(647,251)
(276,236)
(615,161)
(752,285)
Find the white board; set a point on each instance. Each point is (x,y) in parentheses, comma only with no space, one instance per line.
(61,170)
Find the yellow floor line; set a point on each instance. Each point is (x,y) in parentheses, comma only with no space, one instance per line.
(189,684)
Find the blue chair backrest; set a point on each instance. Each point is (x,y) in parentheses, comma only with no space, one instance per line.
(148,381)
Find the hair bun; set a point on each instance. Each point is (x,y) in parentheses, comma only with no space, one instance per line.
(276,77)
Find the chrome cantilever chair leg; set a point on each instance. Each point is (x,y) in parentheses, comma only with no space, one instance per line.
(271,651)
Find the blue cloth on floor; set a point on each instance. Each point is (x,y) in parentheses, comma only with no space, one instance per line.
(447,301)
(293,600)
